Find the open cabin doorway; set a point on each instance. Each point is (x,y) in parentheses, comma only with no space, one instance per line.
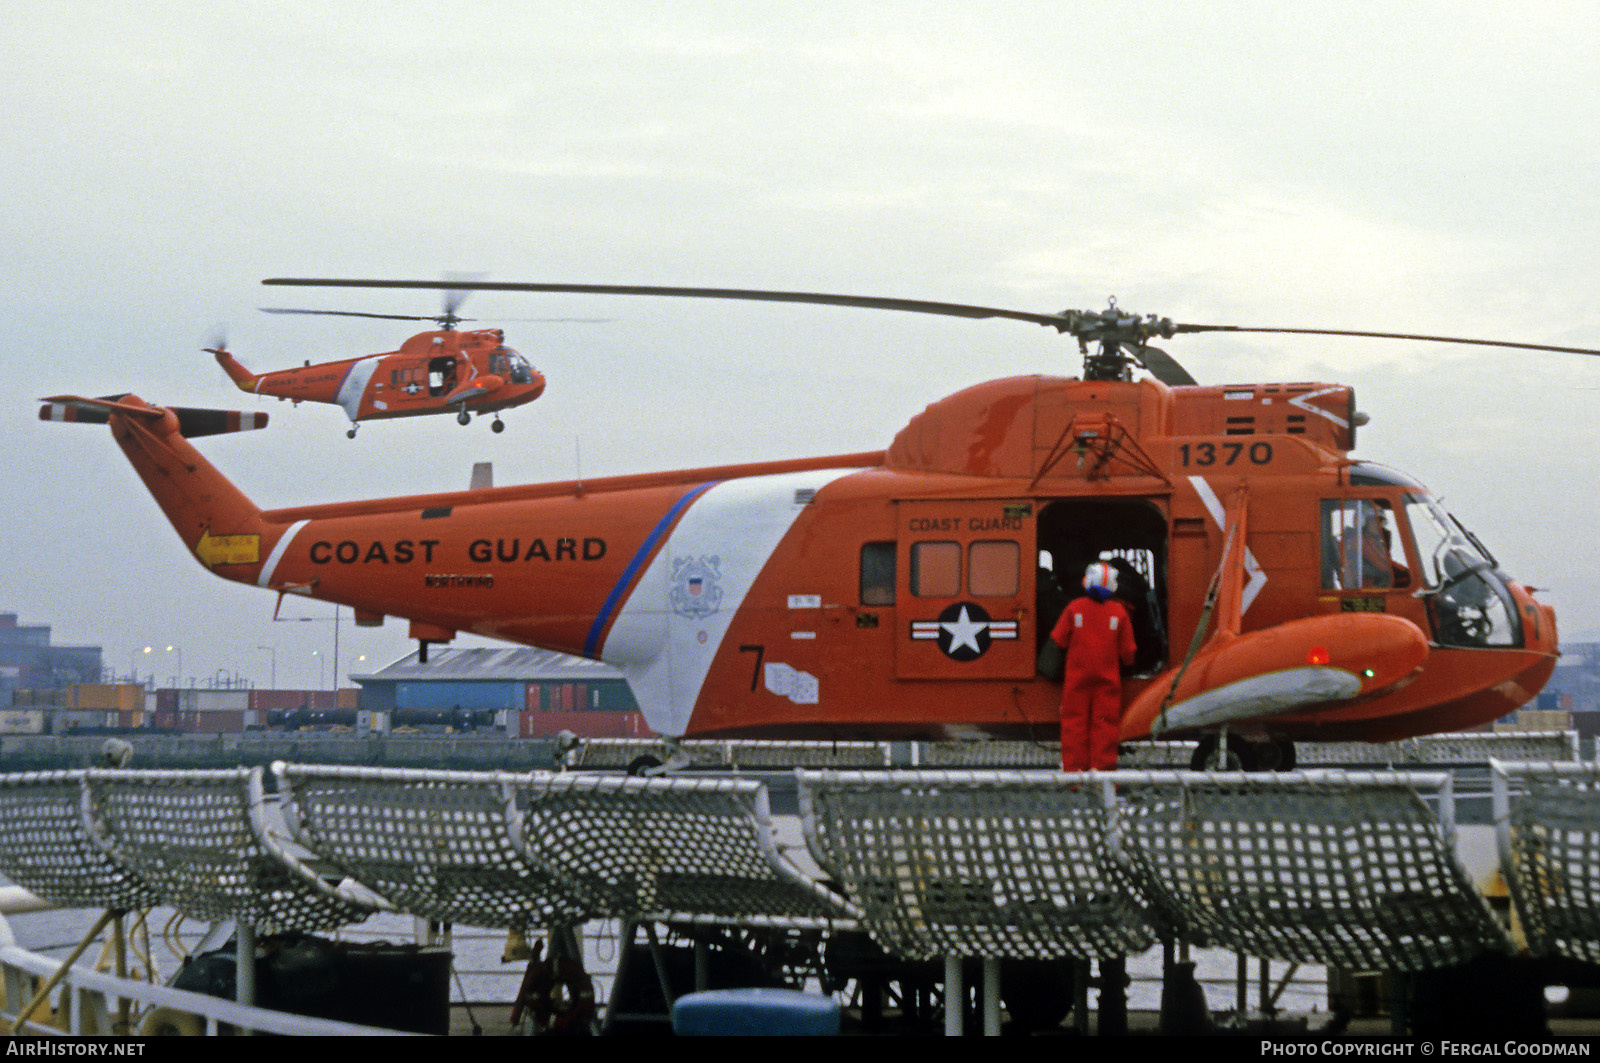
(1128,534)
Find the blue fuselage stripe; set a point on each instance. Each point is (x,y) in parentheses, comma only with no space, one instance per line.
(646,550)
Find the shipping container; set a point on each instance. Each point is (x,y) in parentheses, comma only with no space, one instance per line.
(1537,720)
(117,697)
(601,695)
(69,720)
(1587,724)
(207,701)
(214,721)
(268,701)
(540,724)
(21,721)
(40,698)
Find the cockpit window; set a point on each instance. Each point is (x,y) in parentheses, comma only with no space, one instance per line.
(1468,600)
(511,365)
(1361,546)
(521,371)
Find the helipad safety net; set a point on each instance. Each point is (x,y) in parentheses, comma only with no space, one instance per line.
(1547,818)
(602,753)
(446,845)
(200,839)
(1470,747)
(46,845)
(990,864)
(672,849)
(1353,870)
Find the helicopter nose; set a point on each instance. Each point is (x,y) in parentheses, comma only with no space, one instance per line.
(1544,635)
(1538,619)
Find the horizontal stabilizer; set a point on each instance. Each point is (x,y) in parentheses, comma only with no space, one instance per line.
(192,422)
(90,411)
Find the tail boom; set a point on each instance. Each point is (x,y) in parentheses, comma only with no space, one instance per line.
(222,528)
(242,377)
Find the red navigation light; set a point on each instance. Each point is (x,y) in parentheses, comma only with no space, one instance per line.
(1318,655)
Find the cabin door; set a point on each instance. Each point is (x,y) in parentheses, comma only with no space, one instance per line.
(965,585)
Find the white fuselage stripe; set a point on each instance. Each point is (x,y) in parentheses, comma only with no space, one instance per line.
(265,579)
(1303,402)
(1252,567)
(355,385)
(671,626)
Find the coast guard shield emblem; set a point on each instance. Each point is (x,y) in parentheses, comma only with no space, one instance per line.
(696,590)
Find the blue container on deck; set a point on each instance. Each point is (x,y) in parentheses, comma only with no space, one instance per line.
(755,1012)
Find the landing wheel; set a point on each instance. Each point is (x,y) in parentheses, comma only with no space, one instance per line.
(1239,756)
(643,763)
(1037,993)
(350,434)
(1244,754)
(1275,754)
(463,417)
(498,426)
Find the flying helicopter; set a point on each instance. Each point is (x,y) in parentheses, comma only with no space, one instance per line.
(432,373)
(1282,589)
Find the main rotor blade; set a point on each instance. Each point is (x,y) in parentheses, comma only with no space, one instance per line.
(1061,321)
(1164,367)
(1112,325)
(349,313)
(1388,336)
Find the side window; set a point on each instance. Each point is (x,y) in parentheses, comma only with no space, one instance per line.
(993,568)
(936,569)
(877,573)
(1360,547)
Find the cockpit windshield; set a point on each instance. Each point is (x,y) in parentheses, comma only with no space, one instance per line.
(521,371)
(1467,596)
(511,365)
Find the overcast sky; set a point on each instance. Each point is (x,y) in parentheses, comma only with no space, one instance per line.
(1417,167)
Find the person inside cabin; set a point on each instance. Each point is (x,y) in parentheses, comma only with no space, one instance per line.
(1381,568)
(1097,640)
(1049,600)
(1136,596)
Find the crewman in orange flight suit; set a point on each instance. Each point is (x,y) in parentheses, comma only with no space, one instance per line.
(1097,638)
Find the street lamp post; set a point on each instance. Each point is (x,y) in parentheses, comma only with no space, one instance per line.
(336,654)
(322,667)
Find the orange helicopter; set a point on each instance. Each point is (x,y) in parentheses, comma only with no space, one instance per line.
(432,372)
(1281,589)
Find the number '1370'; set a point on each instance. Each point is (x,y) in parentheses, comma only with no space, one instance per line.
(1202,454)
